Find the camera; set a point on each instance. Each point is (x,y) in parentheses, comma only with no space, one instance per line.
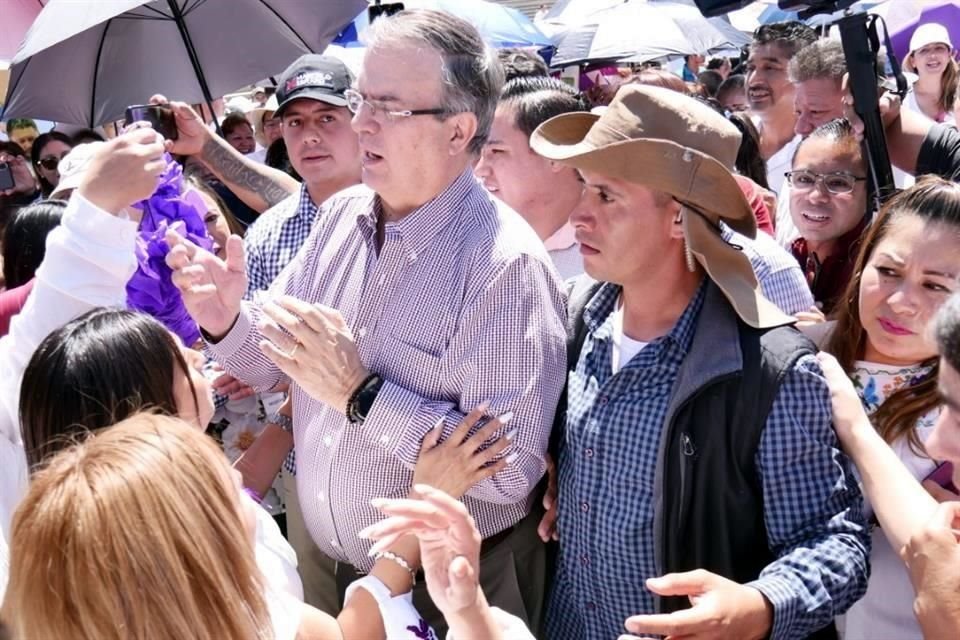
(6,177)
(159,116)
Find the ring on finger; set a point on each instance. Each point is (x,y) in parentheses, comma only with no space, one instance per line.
(293,352)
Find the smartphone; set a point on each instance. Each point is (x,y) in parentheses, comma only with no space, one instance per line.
(159,116)
(943,476)
(6,177)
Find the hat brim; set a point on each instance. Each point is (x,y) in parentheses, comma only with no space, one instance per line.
(651,162)
(730,269)
(320,95)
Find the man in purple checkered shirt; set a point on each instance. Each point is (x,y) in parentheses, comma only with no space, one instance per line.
(414,299)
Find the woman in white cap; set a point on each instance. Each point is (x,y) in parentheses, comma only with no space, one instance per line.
(934,94)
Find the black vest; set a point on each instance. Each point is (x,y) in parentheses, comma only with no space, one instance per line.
(710,511)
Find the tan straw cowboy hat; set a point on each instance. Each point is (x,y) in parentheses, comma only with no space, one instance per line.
(672,143)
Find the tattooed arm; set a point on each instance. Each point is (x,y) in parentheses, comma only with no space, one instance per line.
(259,186)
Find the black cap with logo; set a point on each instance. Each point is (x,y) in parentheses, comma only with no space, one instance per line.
(314,76)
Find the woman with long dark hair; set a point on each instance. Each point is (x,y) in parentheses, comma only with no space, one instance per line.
(906,269)
(47,152)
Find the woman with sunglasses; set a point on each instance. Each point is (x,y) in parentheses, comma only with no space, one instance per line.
(47,152)
(829,206)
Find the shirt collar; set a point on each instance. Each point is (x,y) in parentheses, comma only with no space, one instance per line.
(305,206)
(604,302)
(418,228)
(564,238)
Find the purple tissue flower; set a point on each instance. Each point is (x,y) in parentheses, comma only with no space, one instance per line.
(151,288)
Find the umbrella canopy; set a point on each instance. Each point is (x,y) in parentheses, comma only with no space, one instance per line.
(500,26)
(103,56)
(17,16)
(775,14)
(903,18)
(642,31)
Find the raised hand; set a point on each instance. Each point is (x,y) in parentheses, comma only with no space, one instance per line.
(449,545)
(23,181)
(212,288)
(459,462)
(314,347)
(124,170)
(192,133)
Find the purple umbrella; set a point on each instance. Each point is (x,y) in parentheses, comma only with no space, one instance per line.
(903,18)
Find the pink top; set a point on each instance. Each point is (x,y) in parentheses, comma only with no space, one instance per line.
(11,302)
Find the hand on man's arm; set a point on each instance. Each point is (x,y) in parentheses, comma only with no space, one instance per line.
(259,186)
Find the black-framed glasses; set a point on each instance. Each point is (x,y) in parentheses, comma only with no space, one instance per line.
(51,162)
(355,101)
(837,183)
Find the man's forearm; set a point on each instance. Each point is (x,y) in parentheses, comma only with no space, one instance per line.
(259,186)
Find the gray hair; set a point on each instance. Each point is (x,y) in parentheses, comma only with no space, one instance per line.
(472,75)
(947,329)
(822,59)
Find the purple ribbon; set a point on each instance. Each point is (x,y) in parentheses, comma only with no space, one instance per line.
(151,289)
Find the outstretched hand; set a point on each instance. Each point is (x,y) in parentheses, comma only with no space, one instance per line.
(449,545)
(212,288)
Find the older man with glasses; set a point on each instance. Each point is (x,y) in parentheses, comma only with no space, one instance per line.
(415,298)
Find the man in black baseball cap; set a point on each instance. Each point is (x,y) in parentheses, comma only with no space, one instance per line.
(314,76)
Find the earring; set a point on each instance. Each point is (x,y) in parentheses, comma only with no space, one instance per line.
(691,264)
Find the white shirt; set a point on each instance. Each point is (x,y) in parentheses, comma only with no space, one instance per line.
(624,347)
(565,253)
(88,261)
(886,611)
(910,102)
(779,163)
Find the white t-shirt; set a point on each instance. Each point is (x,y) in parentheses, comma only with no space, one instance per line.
(778,164)
(910,102)
(886,611)
(624,347)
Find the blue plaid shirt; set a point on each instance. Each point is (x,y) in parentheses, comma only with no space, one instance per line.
(607,467)
(271,243)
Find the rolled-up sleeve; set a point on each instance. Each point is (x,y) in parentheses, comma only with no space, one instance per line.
(813,510)
(516,360)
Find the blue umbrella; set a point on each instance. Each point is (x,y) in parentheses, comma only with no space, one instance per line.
(774,13)
(499,25)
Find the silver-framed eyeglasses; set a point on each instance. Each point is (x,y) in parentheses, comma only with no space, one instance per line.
(355,101)
(837,183)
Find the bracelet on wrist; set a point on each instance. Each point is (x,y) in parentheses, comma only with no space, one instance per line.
(389,555)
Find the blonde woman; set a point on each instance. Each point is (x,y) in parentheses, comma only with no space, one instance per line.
(139,532)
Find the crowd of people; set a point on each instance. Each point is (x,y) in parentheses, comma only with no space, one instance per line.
(450,348)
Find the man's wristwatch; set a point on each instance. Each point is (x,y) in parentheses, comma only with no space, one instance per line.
(282,421)
(361,401)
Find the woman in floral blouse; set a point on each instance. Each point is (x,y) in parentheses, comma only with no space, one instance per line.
(907,267)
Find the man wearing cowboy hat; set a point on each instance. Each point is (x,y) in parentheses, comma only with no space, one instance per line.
(697,444)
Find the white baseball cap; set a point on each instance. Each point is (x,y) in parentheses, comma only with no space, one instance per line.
(73,166)
(930,33)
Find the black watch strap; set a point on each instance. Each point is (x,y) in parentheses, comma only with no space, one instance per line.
(360,403)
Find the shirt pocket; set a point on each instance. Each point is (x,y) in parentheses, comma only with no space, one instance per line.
(412,367)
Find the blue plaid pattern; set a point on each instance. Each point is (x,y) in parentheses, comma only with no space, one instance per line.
(781,279)
(271,243)
(607,467)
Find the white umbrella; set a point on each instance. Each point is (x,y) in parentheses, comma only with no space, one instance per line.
(642,31)
(84,61)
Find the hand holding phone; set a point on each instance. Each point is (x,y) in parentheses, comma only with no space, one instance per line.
(7,182)
(159,116)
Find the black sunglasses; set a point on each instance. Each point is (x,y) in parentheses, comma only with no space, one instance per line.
(50,162)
